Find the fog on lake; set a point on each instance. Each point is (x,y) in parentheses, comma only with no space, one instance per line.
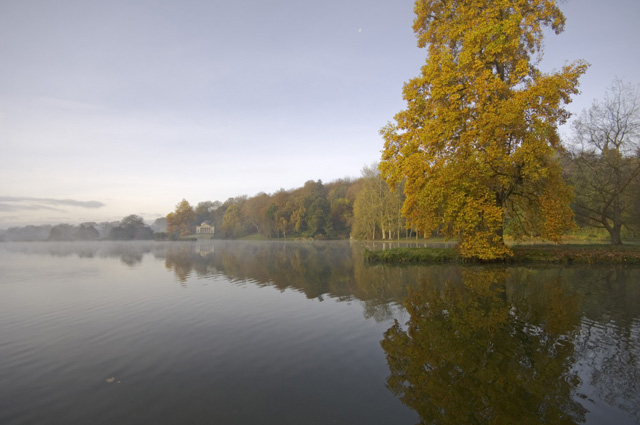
(308,333)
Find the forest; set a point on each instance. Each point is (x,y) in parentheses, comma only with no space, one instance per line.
(362,208)
(476,155)
(600,164)
(131,227)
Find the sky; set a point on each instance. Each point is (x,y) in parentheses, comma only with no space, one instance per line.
(111,108)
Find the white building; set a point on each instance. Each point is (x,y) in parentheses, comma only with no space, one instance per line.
(205,228)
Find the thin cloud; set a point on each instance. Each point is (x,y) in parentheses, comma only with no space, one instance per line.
(12,203)
(24,207)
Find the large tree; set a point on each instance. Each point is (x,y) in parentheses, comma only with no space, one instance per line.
(477,141)
(182,221)
(605,162)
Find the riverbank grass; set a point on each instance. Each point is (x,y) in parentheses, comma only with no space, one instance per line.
(546,254)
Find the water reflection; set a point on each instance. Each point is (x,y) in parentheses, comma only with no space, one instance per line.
(608,345)
(607,358)
(473,345)
(317,269)
(522,345)
(130,253)
(480,350)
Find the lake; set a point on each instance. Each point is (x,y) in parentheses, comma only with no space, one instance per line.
(307,333)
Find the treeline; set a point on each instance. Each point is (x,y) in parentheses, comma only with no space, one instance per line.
(363,208)
(131,227)
(601,166)
(606,186)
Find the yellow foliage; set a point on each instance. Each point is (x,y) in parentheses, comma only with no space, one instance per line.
(476,144)
(181,222)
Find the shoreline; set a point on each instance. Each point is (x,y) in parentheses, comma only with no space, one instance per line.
(536,254)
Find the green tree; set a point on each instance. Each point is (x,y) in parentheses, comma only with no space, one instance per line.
(477,141)
(377,210)
(366,205)
(182,221)
(341,216)
(605,164)
(254,212)
(232,222)
(282,214)
(311,210)
(341,207)
(217,215)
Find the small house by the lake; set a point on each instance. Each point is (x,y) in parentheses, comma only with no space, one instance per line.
(205,228)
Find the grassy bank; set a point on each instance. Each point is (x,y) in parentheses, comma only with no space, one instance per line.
(546,254)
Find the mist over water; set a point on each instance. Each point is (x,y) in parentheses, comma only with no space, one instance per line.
(288,332)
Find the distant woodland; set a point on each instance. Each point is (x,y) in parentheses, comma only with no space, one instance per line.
(366,209)
(362,208)
(131,227)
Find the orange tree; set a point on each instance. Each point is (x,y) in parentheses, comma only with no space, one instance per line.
(477,142)
(181,222)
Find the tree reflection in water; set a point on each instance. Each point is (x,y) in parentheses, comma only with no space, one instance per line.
(181,259)
(477,351)
(482,345)
(318,269)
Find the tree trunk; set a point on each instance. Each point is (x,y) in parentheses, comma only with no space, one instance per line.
(615,228)
(617,223)
(614,233)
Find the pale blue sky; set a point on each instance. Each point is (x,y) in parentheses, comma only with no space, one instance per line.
(136,104)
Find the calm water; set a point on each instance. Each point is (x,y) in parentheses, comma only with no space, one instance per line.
(306,333)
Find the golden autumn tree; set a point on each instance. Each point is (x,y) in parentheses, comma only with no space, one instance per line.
(477,142)
(181,222)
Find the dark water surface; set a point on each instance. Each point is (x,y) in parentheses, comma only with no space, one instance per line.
(306,333)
